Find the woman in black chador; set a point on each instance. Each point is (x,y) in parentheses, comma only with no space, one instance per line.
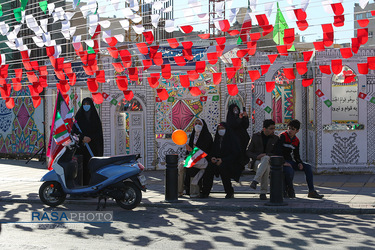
(223,160)
(90,131)
(201,138)
(238,123)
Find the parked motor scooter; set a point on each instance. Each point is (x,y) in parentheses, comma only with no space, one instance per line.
(116,177)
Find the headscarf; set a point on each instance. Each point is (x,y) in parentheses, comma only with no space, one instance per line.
(204,140)
(232,118)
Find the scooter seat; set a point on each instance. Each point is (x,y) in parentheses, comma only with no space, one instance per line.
(97,163)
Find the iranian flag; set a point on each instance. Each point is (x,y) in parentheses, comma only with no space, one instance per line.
(61,134)
(195,155)
(68,120)
(53,148)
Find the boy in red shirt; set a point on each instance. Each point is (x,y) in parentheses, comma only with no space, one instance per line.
(288,145)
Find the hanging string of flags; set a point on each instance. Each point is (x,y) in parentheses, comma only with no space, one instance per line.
(151,51)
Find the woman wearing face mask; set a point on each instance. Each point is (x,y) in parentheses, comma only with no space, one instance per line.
(201,138)
(239,122)
(223,156)
(90,131)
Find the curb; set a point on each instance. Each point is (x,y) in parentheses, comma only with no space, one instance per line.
(250,208)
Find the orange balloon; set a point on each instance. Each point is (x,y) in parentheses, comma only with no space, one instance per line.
(179,137)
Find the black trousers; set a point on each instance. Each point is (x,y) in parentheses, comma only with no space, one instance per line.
(208,179)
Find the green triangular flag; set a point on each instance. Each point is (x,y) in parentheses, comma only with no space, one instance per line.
(372,100)
(43,6)
(239,41)
(17,14)
(1,10)
(279,27)
(90,50)
(23,4)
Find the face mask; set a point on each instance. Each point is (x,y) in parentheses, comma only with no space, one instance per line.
(221,132)
(235,111)
(198,128)
(86,107)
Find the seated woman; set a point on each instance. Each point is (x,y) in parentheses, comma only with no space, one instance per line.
(201,138)
(223,158)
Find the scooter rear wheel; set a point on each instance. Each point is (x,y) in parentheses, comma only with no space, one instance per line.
(51,193)
(132,196)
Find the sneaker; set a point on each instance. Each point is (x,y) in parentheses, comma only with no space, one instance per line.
(291,193)
(315,195)
(253,185)
(263,197)
(229,196)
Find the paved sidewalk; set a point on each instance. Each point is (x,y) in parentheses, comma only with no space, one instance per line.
(349,194)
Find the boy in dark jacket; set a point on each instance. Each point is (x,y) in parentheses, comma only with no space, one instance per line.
(288,147)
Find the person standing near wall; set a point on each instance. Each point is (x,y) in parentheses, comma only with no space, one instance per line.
(238,123)
(90,131)
(223,156)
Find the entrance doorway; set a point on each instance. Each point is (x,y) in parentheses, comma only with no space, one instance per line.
(130,132)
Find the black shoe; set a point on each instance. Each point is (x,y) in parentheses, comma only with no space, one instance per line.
(203,196)
(291,193)
(315,195)
(229,196)
(253,185)
(263,197)
(285,194)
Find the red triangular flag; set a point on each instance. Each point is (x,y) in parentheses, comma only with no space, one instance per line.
(272,57)
(153,80)
(195,91)
(232,89)
(270,86)
(184,80)
(325,69)
(289,73)
(307,82)
(142,47)
(216,77)
(173,43)
(362,68)
(193,75)
(128,95)
(149,36)
(264,68)
(336,66)
(92,85)
(254,75)
(97,98)
(180,61)
(301,67)
(162,94)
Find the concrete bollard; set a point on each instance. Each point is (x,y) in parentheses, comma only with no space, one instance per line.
(171,178)
(276,182)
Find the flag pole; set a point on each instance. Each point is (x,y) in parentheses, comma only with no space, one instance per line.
(86,144)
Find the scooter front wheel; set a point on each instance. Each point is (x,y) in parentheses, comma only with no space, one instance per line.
(51,193)
(132,196)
